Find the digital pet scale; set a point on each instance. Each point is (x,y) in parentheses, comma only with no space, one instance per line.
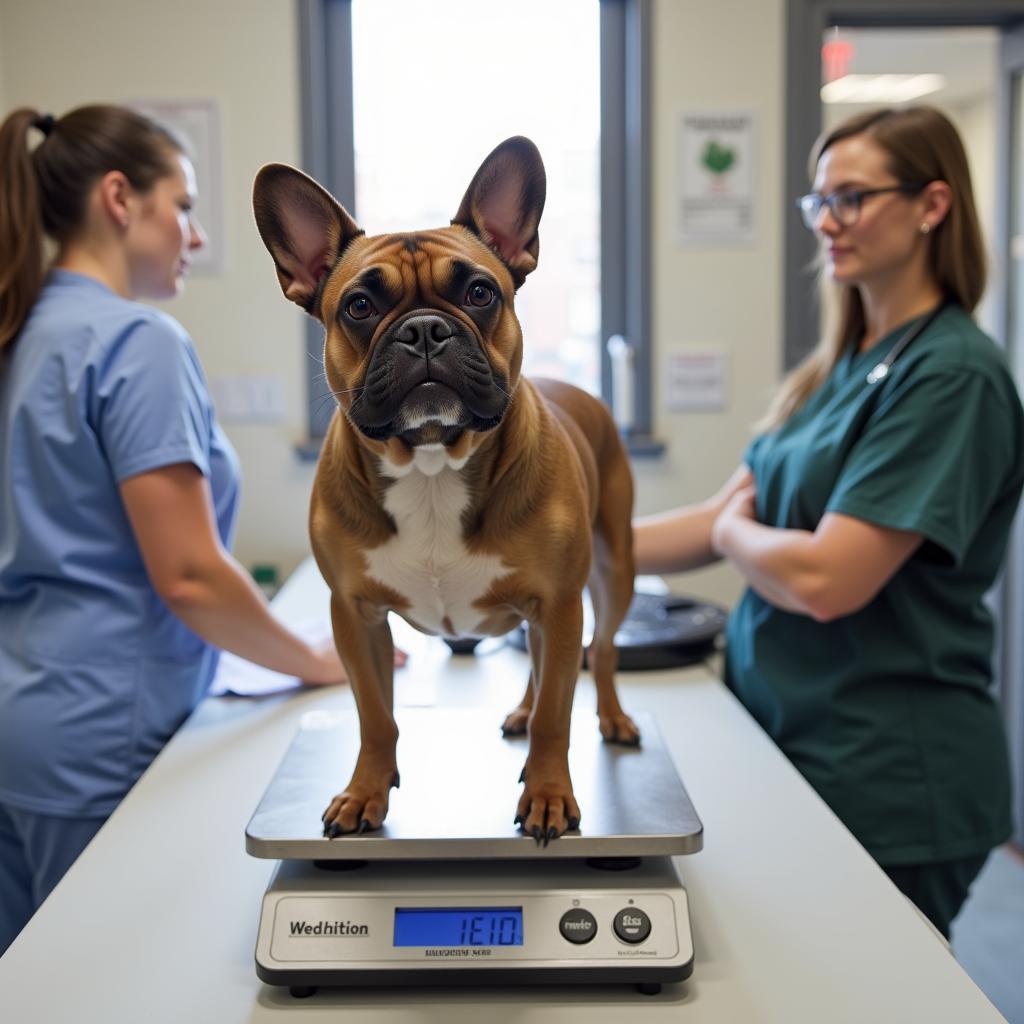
(449,891)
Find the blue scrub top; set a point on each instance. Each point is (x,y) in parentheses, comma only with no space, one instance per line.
(96,673)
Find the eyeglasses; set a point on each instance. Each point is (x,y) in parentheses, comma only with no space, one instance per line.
(846,203)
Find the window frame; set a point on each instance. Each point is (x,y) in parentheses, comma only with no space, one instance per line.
(327,118)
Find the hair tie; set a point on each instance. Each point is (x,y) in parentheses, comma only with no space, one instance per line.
(44,123)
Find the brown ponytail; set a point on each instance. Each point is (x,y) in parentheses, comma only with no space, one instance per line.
(44,191)
(21,225)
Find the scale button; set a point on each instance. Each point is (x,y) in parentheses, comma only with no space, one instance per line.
(632,925)
(578,926)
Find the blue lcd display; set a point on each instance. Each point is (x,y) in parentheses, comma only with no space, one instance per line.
(458,926)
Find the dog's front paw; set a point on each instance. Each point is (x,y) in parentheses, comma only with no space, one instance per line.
(617,727)
(547,807)
(360,807)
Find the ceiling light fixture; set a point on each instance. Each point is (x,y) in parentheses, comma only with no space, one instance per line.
(880,88)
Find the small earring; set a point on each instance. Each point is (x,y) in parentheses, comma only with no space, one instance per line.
(925,228)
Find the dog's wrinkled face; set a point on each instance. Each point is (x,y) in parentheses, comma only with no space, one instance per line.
(422,327)
(422,347)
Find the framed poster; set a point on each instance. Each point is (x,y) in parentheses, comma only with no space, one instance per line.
(199,121)
(715,179)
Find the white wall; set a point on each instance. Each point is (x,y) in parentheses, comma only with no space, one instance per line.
(56,54)
(976,122)
(3,95)
(715,54)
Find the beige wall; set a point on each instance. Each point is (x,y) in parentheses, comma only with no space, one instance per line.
(56,54)
(715,54)
(3,95)
(977,122)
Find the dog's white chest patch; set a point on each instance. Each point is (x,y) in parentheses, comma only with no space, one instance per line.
(426,561)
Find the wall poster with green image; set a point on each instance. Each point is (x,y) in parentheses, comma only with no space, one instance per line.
(715,178)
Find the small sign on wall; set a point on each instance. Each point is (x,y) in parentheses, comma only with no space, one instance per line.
(715,178)
(696,382)
(199,121)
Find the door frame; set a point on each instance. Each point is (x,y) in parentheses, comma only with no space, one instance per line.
(1010,138)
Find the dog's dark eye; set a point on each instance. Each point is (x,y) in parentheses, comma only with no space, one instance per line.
(360,307)
(479,294)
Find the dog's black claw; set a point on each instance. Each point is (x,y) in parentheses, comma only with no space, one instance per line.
(396,780)
(537,834)
(574,823)
(333,830)
(518,820)
(522,774)
(364,826)
(552,833)
(629,741)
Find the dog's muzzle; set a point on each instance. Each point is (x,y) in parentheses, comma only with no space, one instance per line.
(428,380)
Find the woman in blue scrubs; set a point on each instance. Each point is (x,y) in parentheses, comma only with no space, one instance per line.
(118,489)
(871,515)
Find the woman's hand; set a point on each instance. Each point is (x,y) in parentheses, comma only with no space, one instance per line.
(680,539)
(328,669)
(741,479)
(741,504)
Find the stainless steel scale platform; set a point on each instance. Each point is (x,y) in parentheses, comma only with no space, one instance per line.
(449,891)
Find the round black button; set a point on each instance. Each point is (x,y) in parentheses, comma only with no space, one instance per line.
(578,926)
(632,925)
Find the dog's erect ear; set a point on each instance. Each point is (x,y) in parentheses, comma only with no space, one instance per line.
(504,202)
(304,228)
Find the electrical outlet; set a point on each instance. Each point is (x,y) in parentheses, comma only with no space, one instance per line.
(248,398)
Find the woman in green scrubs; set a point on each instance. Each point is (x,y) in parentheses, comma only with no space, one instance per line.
(871,515)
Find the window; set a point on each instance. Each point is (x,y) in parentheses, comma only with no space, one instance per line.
(569,76)
(458,77)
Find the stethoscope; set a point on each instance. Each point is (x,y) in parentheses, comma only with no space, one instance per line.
(881,371)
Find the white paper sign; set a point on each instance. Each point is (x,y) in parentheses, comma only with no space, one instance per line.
(199,121)
(715,179)
(696,382)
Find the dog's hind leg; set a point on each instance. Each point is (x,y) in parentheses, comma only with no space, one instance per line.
(611,591)
(517,721)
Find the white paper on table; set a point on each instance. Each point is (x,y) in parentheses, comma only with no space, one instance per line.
(240,678)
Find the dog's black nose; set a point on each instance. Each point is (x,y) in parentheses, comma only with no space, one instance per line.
(426,335)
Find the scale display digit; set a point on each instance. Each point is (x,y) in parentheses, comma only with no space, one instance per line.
(458,926)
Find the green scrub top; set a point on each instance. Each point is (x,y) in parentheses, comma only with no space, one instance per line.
(887,712)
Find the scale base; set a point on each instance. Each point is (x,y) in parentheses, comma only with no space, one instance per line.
(325,928)
(647,988)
